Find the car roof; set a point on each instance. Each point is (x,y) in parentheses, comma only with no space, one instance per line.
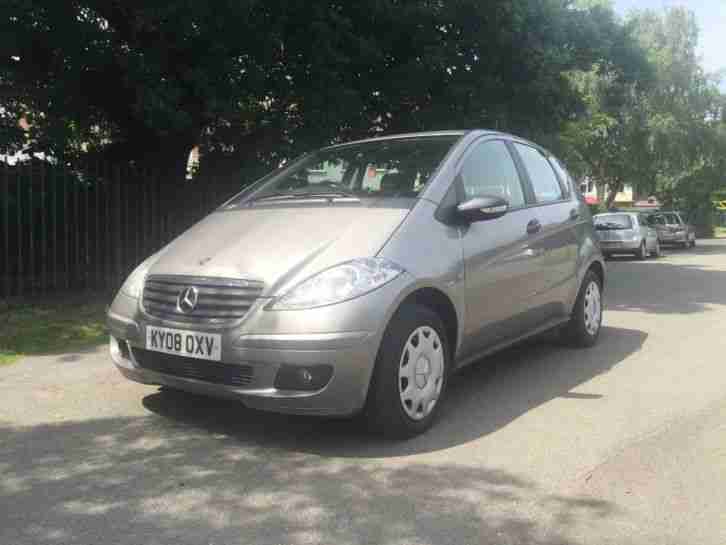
(614,214)
(424,134)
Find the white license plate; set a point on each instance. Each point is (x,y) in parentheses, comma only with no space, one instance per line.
(204,346)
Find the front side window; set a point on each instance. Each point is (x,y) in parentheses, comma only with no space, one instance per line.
(489,171)
(377,169)
(544,182)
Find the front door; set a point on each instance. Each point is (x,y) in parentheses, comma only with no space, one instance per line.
(501,264)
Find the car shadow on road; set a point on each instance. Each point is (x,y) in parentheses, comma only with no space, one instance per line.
(481,399)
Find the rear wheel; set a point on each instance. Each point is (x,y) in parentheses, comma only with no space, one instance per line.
(410,375)
(642,252)
(656,251)
(583,329)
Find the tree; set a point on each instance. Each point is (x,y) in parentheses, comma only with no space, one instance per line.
(258,81)
(661,134)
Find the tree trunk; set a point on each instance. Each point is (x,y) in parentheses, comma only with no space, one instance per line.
(169,162)
(613,191)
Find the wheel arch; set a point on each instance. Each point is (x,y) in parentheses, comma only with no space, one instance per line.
(599,270)
(443,306)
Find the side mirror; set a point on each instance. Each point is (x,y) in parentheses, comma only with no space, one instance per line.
(482,208)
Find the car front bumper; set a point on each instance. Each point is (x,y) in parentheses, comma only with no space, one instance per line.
(345,336)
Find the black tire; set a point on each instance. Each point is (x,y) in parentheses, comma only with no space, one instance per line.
(384,412)
(657,252)
(693,242)
(642,252)
(575,333)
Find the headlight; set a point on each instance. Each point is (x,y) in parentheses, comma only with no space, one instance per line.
(135,281)
(340,283)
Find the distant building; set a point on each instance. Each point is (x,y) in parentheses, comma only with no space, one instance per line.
(625,198)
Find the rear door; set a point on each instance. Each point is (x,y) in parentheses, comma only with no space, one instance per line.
(651,235)
(501,265)
(658,222)
(558,215)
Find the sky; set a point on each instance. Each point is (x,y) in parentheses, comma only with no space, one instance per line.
(711,17)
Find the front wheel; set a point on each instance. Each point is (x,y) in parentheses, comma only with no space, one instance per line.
(584,326)
(410,374)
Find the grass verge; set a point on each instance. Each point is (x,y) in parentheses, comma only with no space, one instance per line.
(32,329)
(719,232)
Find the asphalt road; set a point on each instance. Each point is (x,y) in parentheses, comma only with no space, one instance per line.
(623,443)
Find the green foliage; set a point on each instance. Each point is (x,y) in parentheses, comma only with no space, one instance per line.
(662,134)
(49,328)
(258,81)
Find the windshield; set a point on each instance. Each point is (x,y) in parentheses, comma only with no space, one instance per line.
(620,221)
(382,168)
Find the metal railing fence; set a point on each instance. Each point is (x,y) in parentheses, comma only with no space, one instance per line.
(72,229)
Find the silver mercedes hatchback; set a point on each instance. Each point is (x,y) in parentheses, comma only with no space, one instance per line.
(361,276)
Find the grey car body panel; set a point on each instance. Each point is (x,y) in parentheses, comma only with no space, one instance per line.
(503,283)
(671,232)
(281,244)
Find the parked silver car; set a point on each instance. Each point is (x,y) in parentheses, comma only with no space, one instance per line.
(360,276)
(673,229)
(626,233)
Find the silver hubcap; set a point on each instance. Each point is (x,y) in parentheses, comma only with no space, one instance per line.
(593,308)
(421,372)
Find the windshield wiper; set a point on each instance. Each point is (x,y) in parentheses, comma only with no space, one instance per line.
(330,195)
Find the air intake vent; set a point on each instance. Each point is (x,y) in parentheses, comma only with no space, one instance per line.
(184,367)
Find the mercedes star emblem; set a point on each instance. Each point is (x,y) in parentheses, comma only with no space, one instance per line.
(187,300)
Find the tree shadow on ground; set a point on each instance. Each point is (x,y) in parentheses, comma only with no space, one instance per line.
(153,481)
(481,399)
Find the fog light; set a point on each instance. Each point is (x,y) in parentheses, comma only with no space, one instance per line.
(119,349)
(298,377)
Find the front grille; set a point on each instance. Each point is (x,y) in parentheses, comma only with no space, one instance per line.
(184,367)
(220,301)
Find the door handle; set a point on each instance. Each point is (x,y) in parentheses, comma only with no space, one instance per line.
(574,214)
(533,227)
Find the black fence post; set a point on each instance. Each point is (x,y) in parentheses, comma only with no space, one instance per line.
(19,218)
(6,228)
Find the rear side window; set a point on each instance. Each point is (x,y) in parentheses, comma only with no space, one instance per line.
(563,174)
(489,170)
(672,219)
(544,181)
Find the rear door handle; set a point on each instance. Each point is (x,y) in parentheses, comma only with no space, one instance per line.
(574,214)
(533,227)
